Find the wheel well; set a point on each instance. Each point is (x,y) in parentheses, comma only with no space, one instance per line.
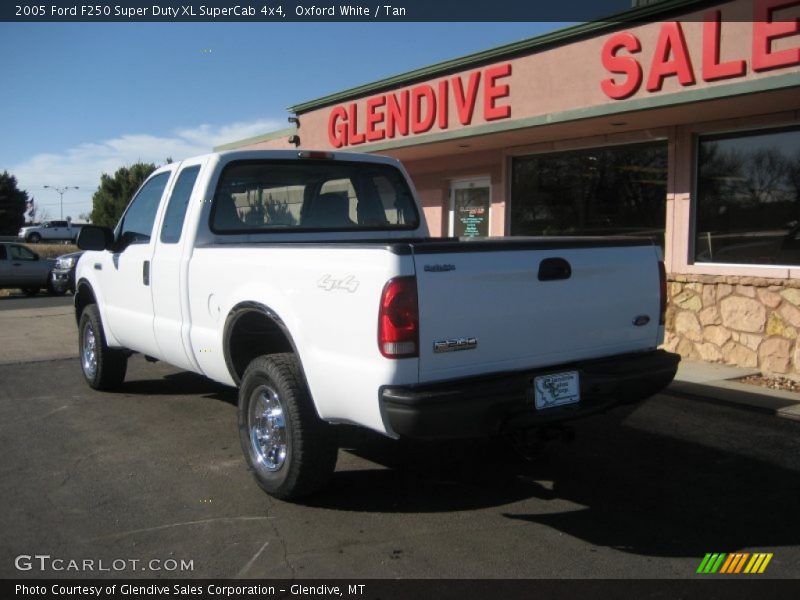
(252,331)
(84,296)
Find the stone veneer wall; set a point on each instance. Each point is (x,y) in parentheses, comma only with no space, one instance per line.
(744,321)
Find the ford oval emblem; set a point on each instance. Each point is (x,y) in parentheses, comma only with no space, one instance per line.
(641,320)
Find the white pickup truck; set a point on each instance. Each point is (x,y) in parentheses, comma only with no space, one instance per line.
(309,280)
(50,230)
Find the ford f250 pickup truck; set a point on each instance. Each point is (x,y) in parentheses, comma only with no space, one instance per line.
(50,230)
(309,281)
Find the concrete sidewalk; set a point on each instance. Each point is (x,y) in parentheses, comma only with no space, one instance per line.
(712,382)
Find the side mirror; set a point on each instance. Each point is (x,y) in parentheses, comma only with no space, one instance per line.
(93,237)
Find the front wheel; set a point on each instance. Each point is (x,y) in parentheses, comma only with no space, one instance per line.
(103,367)
(289,449)
(55,291)
(34,238)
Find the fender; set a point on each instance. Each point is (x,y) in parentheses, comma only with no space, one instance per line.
(242,308)
(84,282)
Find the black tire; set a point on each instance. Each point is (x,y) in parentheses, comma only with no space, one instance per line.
(110,364)
(54,291)
(293,452)
(31,291)
(34,238)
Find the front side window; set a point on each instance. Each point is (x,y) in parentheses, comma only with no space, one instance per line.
(136,225)
(619,190)
(292,195)
(748,198)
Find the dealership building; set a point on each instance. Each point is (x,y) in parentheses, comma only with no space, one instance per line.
(679,120)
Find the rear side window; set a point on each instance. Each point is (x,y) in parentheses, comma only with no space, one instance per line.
(311,195)
(178,203)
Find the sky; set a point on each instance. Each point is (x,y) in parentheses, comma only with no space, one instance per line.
(82,99)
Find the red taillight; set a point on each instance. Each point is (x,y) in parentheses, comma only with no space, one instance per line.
(398,319)
(662,280)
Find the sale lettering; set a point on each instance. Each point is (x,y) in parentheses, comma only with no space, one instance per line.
(418,109)
(672,57)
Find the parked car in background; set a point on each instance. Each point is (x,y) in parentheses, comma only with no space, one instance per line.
(21,267)
(62,277)
(50,230)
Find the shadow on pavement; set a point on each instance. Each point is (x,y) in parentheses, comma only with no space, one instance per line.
(182,383)
(636,491)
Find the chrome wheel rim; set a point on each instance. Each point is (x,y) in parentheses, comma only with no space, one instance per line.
(267,429)
(89,351)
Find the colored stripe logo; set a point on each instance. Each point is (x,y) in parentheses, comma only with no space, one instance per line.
(736,563)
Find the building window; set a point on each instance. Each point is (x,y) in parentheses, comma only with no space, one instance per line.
(748,198)
(619,190)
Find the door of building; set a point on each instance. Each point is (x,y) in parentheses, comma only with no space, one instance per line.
(470,207)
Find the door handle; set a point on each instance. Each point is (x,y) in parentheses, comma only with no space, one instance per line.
(146,272)
(553,269)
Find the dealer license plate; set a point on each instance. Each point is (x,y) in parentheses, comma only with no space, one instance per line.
(556,389)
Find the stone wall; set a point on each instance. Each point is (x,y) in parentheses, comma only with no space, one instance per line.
(744,321)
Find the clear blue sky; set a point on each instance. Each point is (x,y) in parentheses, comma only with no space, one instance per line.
(81,99)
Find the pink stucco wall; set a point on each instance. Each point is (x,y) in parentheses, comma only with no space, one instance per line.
(569,77)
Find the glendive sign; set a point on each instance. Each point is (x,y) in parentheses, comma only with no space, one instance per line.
(415,110)
(672,57)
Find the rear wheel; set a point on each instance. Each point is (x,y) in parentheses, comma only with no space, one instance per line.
(103,367)
(289,449)
(31,291)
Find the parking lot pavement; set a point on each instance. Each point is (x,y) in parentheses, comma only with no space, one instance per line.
(33,334)
(155,471)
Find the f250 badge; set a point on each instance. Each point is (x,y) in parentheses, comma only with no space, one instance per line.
(455,345)
(439,268)
(349,283)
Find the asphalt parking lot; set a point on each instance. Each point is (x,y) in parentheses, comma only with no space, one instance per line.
(154,472)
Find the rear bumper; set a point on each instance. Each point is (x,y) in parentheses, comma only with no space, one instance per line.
(486,405)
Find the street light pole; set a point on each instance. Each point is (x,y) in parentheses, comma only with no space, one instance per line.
(61,191)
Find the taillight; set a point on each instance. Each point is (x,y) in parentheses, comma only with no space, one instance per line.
(662,280)
(398,319)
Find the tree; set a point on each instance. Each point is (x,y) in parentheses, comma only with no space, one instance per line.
(114,193)
(13,203)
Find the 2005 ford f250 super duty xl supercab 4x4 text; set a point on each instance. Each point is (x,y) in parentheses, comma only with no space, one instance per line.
(309,280)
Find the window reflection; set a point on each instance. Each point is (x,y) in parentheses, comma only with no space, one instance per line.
(748,198)
(619,190)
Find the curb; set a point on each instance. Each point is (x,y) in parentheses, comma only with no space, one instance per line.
(742,396)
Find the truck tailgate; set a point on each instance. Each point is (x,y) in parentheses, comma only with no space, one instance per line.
(498,305)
